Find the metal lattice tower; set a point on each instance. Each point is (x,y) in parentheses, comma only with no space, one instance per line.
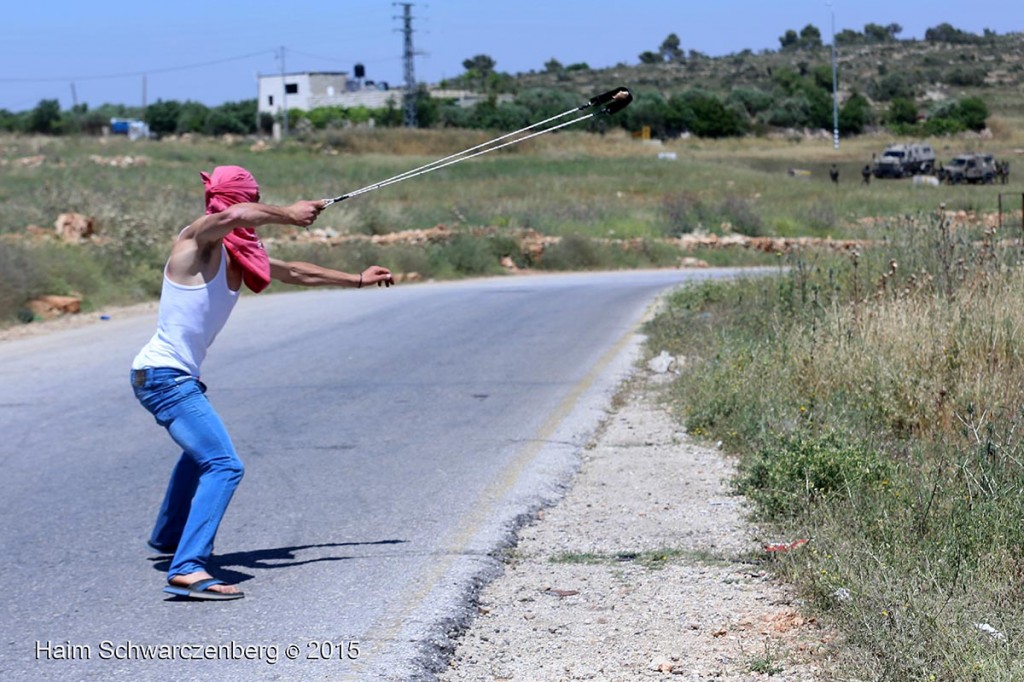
(410,72)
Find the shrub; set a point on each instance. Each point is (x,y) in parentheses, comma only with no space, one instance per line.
(752,99)
(464,254)
(902,110)
(574,252)
(965,76)
(973,112)
(855,115)
(893,85)
(792,112)
(794,472)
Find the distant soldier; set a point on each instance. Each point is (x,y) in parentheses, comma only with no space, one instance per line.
(1003,171)
(940,173)
(833,173)
(865,173)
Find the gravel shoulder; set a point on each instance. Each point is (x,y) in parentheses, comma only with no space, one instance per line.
(646,569)
(65,322)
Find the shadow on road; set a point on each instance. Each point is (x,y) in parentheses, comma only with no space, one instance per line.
(259,559)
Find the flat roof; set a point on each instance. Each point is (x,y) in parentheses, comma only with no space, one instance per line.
(303,73)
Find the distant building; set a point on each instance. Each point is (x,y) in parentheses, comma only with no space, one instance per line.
(312,89)
(131,127)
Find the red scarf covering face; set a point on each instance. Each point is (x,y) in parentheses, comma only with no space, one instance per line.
(230,185)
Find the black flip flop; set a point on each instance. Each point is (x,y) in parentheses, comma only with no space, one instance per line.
(200,590)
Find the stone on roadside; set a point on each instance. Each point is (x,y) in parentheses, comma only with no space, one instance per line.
(74,227)
(662,363)
(49,307)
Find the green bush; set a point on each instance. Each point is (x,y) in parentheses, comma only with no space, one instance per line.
(794,472)
(464,255)
(575,252)
(902,110)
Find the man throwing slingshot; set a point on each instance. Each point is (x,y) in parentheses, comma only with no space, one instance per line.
(209,262)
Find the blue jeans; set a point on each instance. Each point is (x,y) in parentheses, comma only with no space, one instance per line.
(206,474)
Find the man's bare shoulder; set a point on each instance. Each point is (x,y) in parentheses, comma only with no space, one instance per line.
(191,259)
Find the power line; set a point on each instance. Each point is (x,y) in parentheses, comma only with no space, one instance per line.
(135,74)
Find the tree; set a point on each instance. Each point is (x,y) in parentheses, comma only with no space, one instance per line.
(647,109)
(892,85)
(9,121)
(810,37)
(221,121)
(649,57)
(162,117)
(546,102)
(876,33)
(947,33)
(789,40)
(973,112)
(855,115)
(704,114)
(192,117)
(849,37)
(751,98)
(902,110)
(822,76)
(45,118)
(553,66)
(670,49)
(481,65)
(426,107)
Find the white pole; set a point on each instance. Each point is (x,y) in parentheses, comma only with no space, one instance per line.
(284,93)
(835,85)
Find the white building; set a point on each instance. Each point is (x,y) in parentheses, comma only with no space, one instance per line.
(310,90)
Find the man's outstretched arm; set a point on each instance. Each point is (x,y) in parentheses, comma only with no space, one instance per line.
(213,227)
(310,275)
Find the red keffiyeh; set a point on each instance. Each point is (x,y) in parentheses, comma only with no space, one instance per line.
(229,185)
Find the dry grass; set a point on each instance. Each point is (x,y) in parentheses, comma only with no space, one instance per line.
(876,401)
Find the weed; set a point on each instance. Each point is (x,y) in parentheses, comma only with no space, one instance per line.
(875,403)
(766,664)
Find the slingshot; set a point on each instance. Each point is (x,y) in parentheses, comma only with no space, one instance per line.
(600,105)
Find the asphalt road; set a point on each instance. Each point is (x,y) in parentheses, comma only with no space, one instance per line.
(392,438)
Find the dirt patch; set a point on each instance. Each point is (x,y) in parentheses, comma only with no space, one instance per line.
(646,569)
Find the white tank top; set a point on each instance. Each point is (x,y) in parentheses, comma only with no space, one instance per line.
(190,319)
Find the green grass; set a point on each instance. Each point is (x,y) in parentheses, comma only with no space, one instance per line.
(610,197)
(875,402)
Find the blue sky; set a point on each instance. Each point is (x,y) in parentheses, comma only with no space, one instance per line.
(101,49)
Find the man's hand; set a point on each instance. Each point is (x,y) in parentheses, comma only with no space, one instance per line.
(303,213)
(376,275)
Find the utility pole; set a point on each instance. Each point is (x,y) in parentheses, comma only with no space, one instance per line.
(410,74)
(284,96)
(835,84)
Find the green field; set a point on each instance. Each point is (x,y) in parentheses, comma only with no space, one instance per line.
(578,185)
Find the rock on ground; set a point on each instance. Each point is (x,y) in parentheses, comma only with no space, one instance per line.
(647,569)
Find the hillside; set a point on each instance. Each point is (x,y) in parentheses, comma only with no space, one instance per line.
(992,68)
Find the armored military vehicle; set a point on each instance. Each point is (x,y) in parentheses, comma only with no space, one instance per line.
(971,168)
(901,160)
